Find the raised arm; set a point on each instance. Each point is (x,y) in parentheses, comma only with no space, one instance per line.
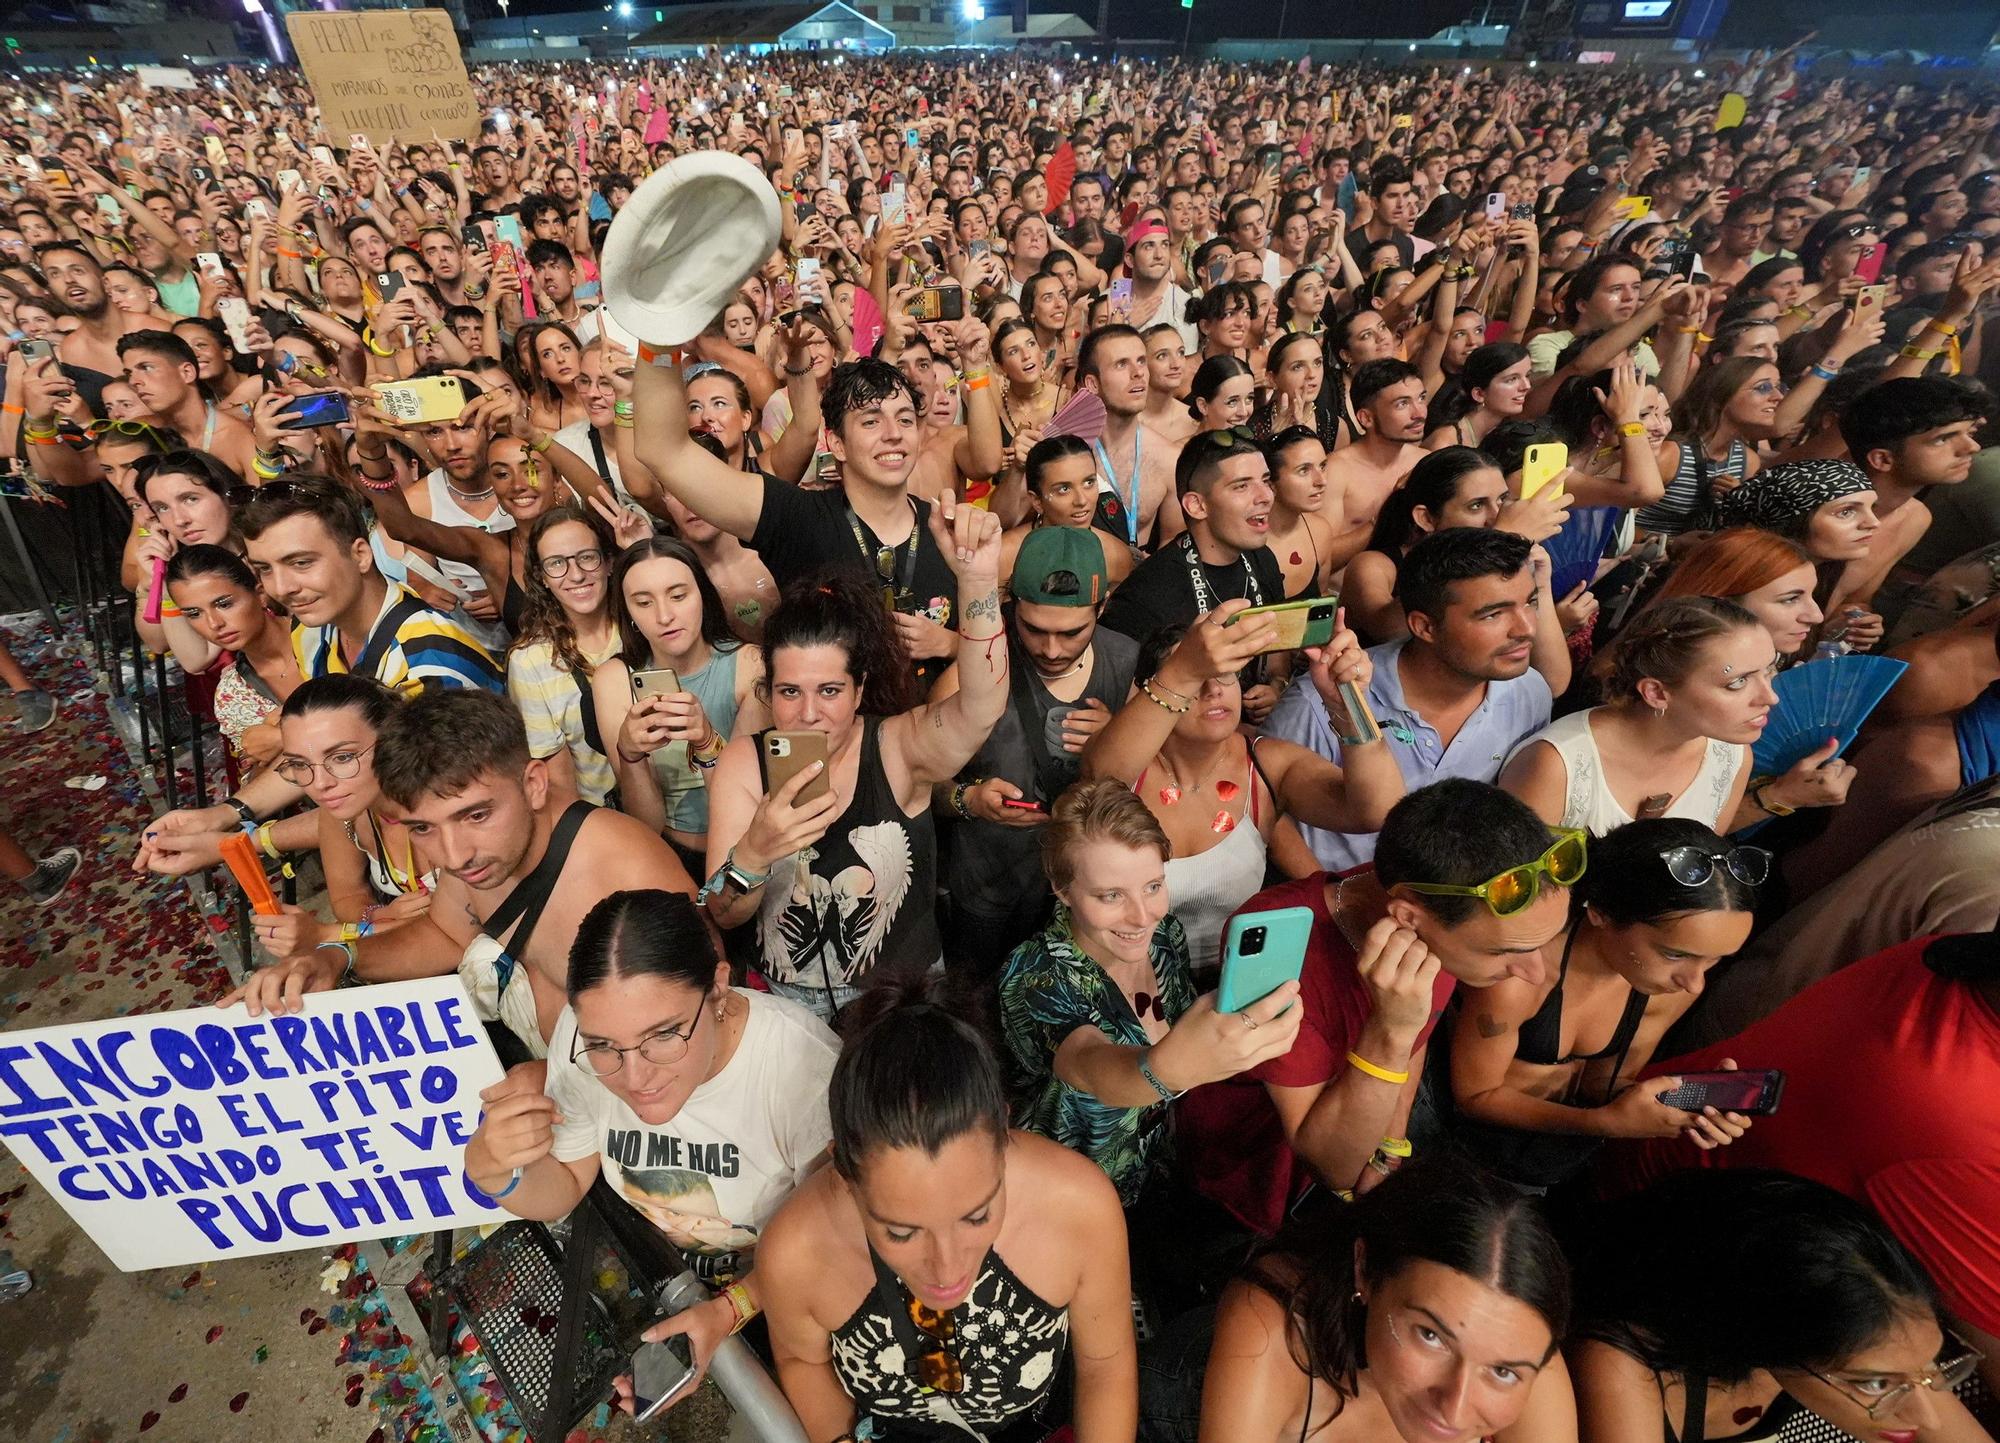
(704,483)
(788,457)
(979,453)
(932,742)
(1128,742)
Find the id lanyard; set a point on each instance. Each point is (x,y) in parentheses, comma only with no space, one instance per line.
(1205,599)
(1132,507)
(897,585)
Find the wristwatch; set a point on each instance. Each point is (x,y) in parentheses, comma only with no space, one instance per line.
(728,876)
(242,810)
(1776,809)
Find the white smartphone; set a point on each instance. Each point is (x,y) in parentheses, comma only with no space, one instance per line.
(235,314)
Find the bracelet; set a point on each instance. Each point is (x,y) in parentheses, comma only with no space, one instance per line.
(1824,373)
(1776,809)
(378,483)
(1362,1064)
(347,949)
(1167,1094)
(350,931)
(1146,688)
(739,1301)
(13,410)
(1631,428)
(621,410)
(630,761)
(262,837)
(1913,351)
(1943,328)
(979,382)
(33,431)
(958,792)
(368,340)
(513,1181)
(541,447)
(368,913)
(795,374)
(290,255)
(247,817)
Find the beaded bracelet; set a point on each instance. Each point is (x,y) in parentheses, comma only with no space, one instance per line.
(1146,687)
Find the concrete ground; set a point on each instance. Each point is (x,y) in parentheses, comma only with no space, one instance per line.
(249,1349)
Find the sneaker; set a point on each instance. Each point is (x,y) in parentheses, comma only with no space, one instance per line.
(33,711)
(52,874)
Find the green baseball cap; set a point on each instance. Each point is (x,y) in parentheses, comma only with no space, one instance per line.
(1059,566)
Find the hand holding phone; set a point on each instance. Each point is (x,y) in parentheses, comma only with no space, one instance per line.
(661,1372)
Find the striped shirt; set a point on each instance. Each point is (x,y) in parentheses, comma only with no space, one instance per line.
(410,646)
(551,702)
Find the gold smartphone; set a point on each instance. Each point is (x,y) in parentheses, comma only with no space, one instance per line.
(783,755)
(656,681)
(1300,623)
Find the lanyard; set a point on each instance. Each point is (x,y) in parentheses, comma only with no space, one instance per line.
(208,426)
(1132,506)
(1205,599)
(898,581)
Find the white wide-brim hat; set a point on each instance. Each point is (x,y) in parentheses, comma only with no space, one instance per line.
(683,243)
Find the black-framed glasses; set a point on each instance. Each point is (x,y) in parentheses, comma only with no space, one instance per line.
(340,766)
(662,1049)
(1692,866)
(1946,1375)
(1510,892)
(587,562)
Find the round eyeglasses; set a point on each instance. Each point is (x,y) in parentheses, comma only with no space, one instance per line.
(557,567)
(338,765)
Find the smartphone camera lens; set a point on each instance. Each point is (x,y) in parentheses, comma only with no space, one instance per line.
(1253,941)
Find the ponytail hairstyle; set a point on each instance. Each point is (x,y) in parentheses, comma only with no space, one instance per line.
(1664,641)
(192,561)
(1629,884)
(545,619)
(646,933)
(1437,1209)
(376,702)
(633,648)
(1455,399)
(1209,378)
(1432,484)
(837,608)
(913,1072)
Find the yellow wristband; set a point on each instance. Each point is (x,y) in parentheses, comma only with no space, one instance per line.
(1631,428)
(1357,1061)
(1395,1147)
(739,1301)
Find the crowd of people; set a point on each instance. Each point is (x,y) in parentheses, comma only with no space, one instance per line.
(840,751)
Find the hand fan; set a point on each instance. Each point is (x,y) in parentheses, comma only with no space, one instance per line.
(241,858)
(1082,416)
(1575,550)
(1061,173)
(1819,700)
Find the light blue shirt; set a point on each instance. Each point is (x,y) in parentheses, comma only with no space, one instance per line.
(1511,712)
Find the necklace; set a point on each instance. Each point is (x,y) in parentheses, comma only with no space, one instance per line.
(467,495)
(1173,792)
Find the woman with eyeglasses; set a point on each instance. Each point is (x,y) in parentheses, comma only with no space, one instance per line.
(929,1283)
(1429,1310)
(672,626)
(216,594)
(1721,1305)
(1727,409)
(719,1092)
(566,634)
(375,877)
(1541,1072)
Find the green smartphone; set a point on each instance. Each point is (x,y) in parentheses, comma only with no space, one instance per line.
(1300,623)
(1261,952)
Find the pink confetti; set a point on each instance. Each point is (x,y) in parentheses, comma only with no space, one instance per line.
(1227,791)
(1223,823)
(1170,795)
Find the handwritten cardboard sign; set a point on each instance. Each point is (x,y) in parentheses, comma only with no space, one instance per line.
(385,74)
(193,1136)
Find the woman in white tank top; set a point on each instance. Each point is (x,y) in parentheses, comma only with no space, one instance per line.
(1688,689)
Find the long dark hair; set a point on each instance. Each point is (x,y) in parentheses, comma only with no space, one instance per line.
(1455,400)
(1629,884)
(837,608)
(1793,1276)
(914,1072)
(545,620)
(528,366)
(645,933)
(1440,1210)
(205,560)
(634,649)
(1431,484)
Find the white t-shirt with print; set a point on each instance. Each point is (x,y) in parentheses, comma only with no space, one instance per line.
(711,1176)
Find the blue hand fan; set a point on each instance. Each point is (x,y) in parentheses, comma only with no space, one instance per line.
(1822,699)
(1575,550)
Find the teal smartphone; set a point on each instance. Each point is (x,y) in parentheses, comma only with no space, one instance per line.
(1308,622)
(1261,952)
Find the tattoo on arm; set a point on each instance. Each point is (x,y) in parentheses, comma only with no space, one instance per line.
(1489,1026)
(986,608)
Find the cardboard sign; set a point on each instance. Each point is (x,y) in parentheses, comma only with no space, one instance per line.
(206,1134)
(386,74)
(164,77)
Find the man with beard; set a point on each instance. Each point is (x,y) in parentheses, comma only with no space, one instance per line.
(1155,297)
(518,871)
(445,259)
(1396,207)
(89,354)
(1391,408)
(1135,463)
(1224,485)
(1068,677)
(162,371)
(1455,696)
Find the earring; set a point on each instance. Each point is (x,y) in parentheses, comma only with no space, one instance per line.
(1660,713)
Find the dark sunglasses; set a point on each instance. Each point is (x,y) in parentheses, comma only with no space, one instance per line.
(1692,866)
(938,1368)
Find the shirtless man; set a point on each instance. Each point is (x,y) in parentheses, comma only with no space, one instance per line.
(162,369)
(90,352)
(1166,384)
(954,456)
(1133,459)
(1062,490)
(1907,434)
(1389,402)
(457,766)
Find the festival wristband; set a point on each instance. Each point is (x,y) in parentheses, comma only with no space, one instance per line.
(1362,1064)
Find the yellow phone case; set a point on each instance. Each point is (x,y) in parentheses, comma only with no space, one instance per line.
(419,401)
(1542,464)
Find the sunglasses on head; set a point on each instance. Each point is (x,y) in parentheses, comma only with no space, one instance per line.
(1510,892)
(1692,866)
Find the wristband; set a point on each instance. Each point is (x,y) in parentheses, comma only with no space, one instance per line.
(1395,1147)
(347,950)
(514,1178)
(979,382)
(1146,687)
(1631,428)
(291,255)
(1776,809)
(739,1301)
(1167,1094)
(621,410)
(541,447)
(1362,1064)
(1824,373)
(262,837)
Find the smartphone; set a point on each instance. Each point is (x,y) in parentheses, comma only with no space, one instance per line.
(209,263)
(503,254)
(1868,300)
(1121,301)
(654,681)
(1020,805)
(1261,952)
(1300,623)
(910,137)
(806,274)
(357,141)
(1686,265)
(783,755)
(1274,161)
(322,408)
(474,238)
(421,400)
(977,251)
(1217,269)
(1542,464)
(235,314)
(1496,205)
(33,351)
(55,172)
(508,228)
(289,179)
(661,1372)
(1754,1093)
(1869,268)
(108,208)
(323,154)
(1633,207)
(939,303)
(256,207)
(388,284)
(1402,122)
(1861,174)
(895,202)
(213,145)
